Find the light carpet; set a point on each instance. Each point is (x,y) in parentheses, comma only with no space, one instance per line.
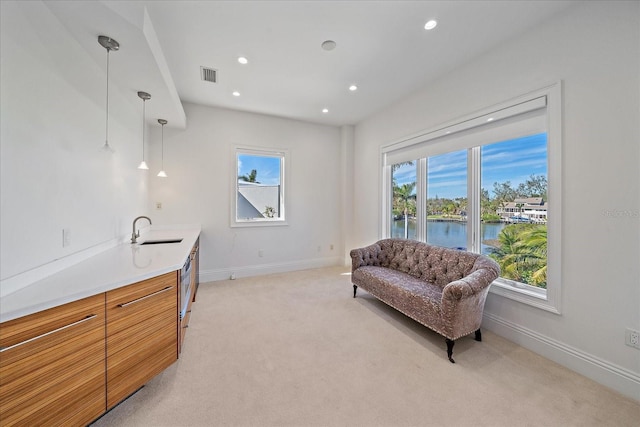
(295,349)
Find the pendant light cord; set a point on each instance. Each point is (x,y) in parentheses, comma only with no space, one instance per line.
(106,141)
(144,104)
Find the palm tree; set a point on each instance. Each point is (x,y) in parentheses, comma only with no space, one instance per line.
(507,253)
(522,254)
(535,239)
(397,166)
(404,201)
(251,177)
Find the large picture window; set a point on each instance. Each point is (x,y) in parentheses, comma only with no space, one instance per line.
(259,196)
(488,183)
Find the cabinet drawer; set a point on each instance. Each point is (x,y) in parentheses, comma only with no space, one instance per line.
(142,334)
(52,365)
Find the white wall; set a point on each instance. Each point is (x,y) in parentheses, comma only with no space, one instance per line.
(595,50)
(201,169)
(55,177)
(53,174)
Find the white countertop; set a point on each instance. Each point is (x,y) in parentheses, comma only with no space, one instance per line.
(119,266)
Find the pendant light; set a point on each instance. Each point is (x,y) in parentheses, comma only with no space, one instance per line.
(109,44)
(144,96)
(162,173)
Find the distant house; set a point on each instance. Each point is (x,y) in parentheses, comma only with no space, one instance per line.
(254,200)
(533,209)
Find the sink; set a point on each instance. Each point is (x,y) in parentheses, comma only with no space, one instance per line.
(159,242)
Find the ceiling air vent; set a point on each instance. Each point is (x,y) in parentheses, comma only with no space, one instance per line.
(209,74)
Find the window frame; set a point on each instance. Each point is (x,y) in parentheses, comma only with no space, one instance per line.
(548,299)
(282,220)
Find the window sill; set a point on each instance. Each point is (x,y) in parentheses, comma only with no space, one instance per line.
(259,223)
(526,295)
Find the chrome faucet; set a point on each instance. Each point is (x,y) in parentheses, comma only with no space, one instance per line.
(135,234)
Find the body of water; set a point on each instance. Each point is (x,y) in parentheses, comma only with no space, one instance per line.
(450,234)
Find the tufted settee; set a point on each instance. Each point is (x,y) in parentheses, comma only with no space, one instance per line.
(443,289)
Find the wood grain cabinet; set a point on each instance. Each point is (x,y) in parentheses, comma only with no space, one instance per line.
(142,337)
(68,365)
(52,366)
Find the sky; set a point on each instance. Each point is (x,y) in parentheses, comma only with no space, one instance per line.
(267,168)
(514,160)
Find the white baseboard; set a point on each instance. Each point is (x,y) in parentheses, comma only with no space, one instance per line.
(615,377)
(260,269)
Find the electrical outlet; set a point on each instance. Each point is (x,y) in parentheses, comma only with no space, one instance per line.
(233,276)
(632,338)
(158,205)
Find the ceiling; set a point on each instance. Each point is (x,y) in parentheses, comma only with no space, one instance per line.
(381,46)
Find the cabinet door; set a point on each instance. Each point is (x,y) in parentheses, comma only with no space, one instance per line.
(142,334)
(52,367)
(195,265)
(184,323)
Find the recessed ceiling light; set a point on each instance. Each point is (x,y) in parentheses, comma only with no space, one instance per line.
(328,45)
(243,60)
(431,24)
(353,88)
(325,110)
(236,93)
(490,119)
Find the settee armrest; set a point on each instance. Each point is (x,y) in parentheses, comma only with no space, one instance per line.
(463,300)
(368,255)
(484,271)
(466,287)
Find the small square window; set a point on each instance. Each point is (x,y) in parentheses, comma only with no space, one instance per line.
(259,193)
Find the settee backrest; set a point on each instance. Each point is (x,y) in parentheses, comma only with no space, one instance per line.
(434,264)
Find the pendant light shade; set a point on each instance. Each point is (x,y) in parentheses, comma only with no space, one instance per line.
(144,96)
(162,173)
(109,44)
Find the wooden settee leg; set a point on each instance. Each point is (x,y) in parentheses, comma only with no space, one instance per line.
(478,335)
(355,288)
(450,344)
